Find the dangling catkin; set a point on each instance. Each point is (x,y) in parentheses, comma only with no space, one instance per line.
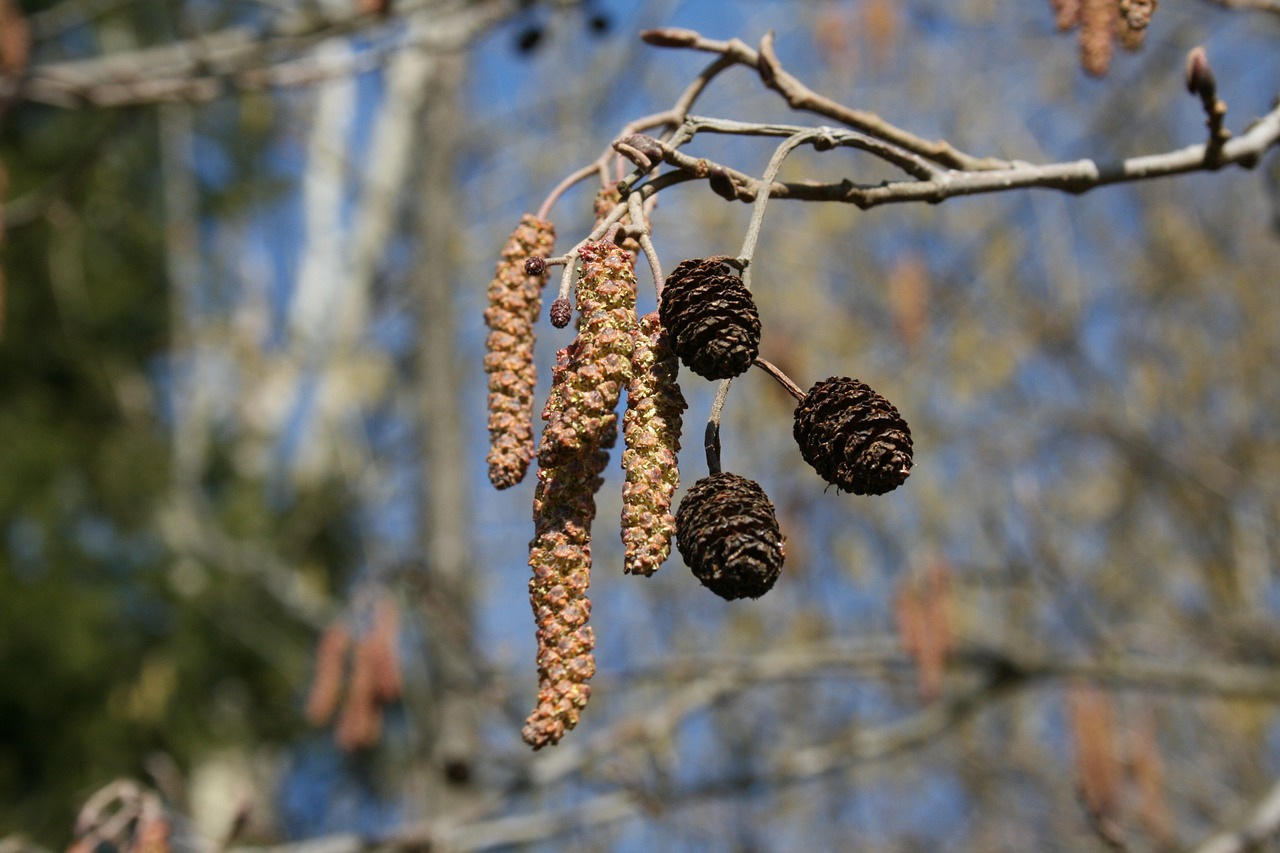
(651,431)
(586,384)
(579,409)
(560,556)
(515,298)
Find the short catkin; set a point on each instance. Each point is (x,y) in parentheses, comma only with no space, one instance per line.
(515,298)
(579,408)
(651,432)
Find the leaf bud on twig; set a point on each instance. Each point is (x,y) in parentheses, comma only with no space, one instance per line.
(721,184)
(644,151)
(669,37)
(1200,79)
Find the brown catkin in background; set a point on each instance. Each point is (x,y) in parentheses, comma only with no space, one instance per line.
(330,673)
(1097,32)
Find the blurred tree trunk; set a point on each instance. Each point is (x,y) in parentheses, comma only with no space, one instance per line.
(451,740)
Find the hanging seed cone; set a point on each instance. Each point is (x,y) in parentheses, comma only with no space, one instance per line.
(711,318)
(515,298)
(651,431)
(560,557)
(854,438)
(728,535)
(598,360)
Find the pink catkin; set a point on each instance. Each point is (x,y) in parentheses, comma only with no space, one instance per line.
(515,299)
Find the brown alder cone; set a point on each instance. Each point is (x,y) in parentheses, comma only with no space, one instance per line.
(728,535)
(560,557)
(651,432)
(1097,31)
(580,408)
(853,437)
(711,317)
(515,298)
(331,668)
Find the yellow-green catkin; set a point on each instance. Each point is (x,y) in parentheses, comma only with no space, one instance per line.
(560,557)
(651,432)
(581,426)
(515,299)
(580,408)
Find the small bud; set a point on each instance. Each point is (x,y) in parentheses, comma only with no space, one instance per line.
(535,266)
(644,151)
(561,313)
(1200,79)
(528,39)
(767,62)
(669,37)
(721,184)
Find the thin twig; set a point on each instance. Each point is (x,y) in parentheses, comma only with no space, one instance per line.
(762,199)
(544,210)
(801,97)
(640,230)
(711,439)
(783,379)
(1079,176)
(1263,823)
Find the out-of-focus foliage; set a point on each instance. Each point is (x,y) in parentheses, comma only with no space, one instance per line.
(116,649)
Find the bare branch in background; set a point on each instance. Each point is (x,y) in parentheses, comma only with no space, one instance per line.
(241,59)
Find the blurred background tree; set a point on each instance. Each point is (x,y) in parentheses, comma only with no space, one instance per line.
(246,248)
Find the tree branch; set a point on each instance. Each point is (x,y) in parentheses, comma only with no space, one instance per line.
(1272,6)
(800,97)
(1263,823)
(243,59)
(934,185)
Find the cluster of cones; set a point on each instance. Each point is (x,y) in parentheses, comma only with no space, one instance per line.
(725,528)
